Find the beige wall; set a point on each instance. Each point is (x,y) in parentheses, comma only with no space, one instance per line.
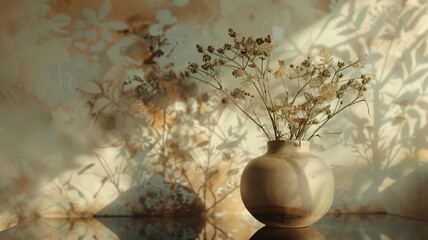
(73,143)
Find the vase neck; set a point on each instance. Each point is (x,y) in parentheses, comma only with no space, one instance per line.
(287,146)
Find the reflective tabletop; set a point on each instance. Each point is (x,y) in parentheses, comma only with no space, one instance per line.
(355,226)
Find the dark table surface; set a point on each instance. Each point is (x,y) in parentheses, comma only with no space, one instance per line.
(355,226)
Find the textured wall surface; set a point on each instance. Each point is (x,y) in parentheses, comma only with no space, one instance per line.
(79,137)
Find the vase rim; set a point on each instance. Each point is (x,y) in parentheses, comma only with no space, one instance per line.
(279,146)
(286,140)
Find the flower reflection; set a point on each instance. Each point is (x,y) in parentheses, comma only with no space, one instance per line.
(155,227)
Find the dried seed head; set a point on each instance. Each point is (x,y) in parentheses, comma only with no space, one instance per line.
(306,63)
(238,72)
(232,33)
(206,57)
(224,100)
(193,67)
(206,66)
(268,39)
(210,49)
(238,93)
(325,73)
(199,48)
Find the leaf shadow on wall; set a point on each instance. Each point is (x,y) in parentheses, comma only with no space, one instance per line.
(165,130)
(153,135)
(391,145)
(35,146)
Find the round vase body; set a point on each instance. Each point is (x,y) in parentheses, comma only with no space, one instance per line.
(288,186)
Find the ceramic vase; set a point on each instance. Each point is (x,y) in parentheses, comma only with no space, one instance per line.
(287,187)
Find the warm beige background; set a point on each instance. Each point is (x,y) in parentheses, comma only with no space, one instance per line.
(72,143)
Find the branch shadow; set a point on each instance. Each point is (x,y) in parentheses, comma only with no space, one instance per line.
(390,144)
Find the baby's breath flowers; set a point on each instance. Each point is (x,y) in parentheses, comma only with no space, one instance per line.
(313,93)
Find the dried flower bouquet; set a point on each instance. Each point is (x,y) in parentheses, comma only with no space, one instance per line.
(312,93)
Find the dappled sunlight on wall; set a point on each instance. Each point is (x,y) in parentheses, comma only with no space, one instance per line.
(388,143)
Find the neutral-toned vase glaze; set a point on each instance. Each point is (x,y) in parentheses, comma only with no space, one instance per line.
(288,186)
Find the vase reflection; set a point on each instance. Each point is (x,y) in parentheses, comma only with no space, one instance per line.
(287,233)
